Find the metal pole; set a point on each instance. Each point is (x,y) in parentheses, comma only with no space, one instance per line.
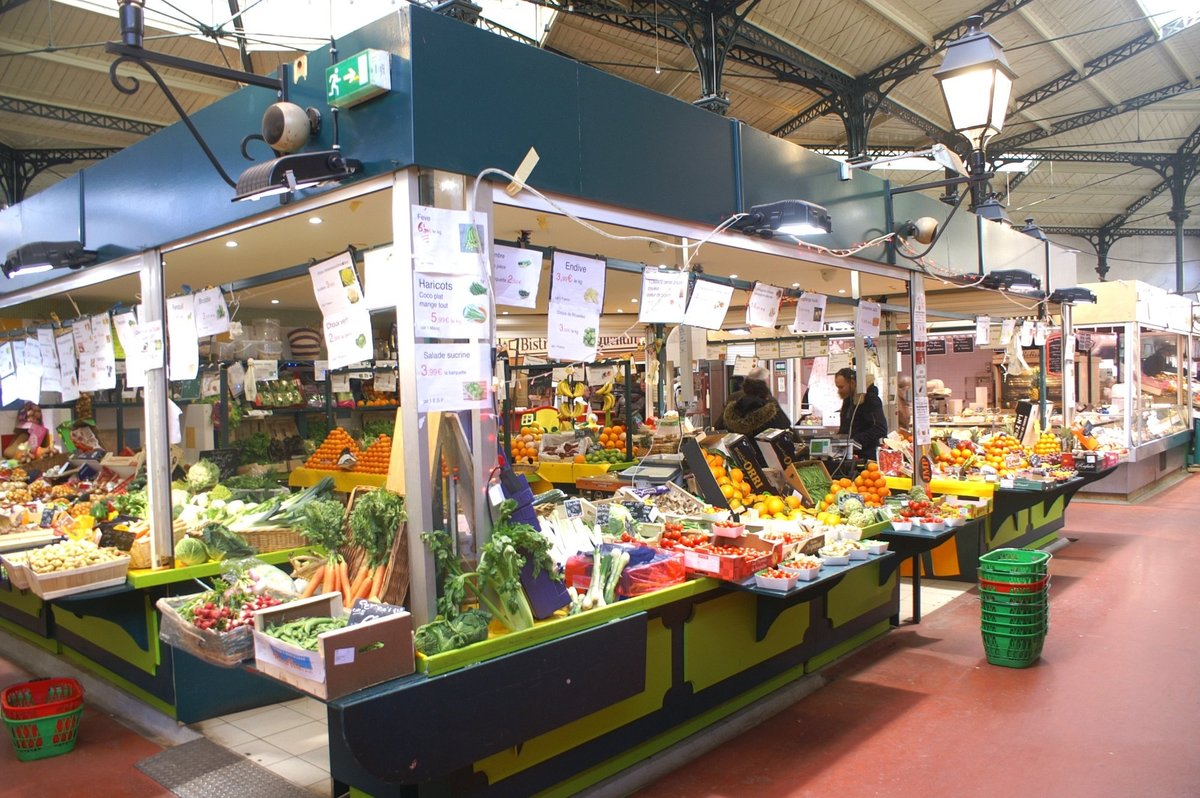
(422,589)
(660,349)
(920,400)
(157,443)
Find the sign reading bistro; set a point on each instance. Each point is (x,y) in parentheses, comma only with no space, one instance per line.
(535,345)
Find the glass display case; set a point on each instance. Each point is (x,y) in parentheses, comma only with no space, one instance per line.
(1132,383)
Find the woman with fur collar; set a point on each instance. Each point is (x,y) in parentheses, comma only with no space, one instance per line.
(753,409)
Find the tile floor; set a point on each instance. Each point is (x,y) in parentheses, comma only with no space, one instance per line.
(292,739)
(289,739)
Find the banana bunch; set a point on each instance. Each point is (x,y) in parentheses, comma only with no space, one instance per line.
(573,408)
(568,391)
(608,401)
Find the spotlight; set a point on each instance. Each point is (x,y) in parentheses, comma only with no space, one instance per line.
(42,256)
(786,217)
(289,173)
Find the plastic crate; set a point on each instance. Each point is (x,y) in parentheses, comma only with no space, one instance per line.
(1013,650)
(1014,588)
(40,697)
(1015,561)
(41,738)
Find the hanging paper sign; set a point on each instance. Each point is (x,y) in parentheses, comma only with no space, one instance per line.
(144,352)
(742,365)
(601,375)
(339,383)
(385,381)
(714,352)
(1039,334)
(335,284)
(8,361)
(81,331)
(1027,329)
(920,318)
(212,314)
(381,278)
(348,336)
(446,242)
(320,370)
(664,296)
(577,280)
(452,377)
(183,344)
(708,305)
(836,362)
(516,274)
(1007,328)
(572,332)
(51,379)
(762,309)
(983,326)
(810,313)
(816,347)
(791,349)
(126,327)
(867,320)
(450,307)
(921,434)
(766,350)
(67,377)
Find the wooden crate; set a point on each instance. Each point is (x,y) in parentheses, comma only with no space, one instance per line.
(78,580)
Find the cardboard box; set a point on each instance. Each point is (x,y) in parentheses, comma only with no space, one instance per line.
(346,660)
(124,466)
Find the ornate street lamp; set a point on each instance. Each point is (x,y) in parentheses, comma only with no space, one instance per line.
(976,83)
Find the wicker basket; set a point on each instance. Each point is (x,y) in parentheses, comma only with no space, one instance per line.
(78,580)
(226,649)
(139,553)
(274,538)
(396,577)
(14,566)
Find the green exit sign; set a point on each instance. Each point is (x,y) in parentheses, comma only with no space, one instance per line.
(358,78)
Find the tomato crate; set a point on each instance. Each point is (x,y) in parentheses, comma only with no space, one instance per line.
(732,568)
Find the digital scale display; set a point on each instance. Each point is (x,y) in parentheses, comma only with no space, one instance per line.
(818,447)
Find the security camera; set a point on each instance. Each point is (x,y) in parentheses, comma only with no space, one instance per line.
(924,229)
(286,127)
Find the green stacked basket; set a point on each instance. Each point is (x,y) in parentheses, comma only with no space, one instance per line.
(1014,587)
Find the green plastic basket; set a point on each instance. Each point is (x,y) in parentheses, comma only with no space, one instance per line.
(41,738)
(1015,561)
(1009,578)
(1018,597)
(1013,650)
(1027,614)
(1039,626)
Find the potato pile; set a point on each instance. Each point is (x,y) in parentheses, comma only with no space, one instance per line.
(69,555)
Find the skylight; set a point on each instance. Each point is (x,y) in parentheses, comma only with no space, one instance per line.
(302,24)
(1171,16)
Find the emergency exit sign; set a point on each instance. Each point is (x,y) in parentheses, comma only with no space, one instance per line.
(358,78)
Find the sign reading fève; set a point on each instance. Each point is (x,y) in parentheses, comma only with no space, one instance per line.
(358,78)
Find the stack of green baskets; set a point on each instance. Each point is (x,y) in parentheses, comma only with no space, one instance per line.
(1014,587)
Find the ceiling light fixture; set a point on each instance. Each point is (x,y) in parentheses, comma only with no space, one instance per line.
(315,220)
(785,217)
(1018,281)
(841,290)
(274,301)
(634,300)
(289,173)
(42,256)
(1073,296)
(940,153)
(231,244)
(795,285)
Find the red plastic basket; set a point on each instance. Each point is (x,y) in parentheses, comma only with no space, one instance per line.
(41,698)
(1014,587)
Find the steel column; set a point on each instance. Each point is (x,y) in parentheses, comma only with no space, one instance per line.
(157,437)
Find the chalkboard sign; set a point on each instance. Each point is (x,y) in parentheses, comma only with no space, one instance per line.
(964,343)
(904,346)
(1054,357)
(603,512)
(644,513)
(364,610)
(573,508)
(227,460)
(936,346)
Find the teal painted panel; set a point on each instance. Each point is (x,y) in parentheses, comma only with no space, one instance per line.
(958,247)
(774,169)
(644,150)
(480,100)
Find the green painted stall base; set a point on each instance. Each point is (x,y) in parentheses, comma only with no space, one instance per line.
(842,649)
(857,594)
(124,684)
(113,637)
(719,638)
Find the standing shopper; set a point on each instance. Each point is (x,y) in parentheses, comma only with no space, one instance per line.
(753,409)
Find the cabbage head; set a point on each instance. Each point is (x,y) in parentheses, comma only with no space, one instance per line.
(852,506)
(191,551)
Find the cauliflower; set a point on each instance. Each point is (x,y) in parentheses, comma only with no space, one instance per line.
(852,506)
(203,476)
(861,518)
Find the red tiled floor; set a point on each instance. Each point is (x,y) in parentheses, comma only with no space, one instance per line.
(1111,709)
(101,765)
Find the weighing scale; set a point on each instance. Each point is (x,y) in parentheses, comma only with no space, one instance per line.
(655,471)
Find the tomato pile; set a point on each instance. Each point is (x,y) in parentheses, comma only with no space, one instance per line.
(673,535)
(774,573)
(730,551)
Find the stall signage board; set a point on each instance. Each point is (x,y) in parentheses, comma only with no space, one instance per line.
(810,313)
(766,350)
(904,346)
(516,274)
(936,346)
(358,78)
(791,349)
(762,310)
(816,347)
(963,343)
(664,296)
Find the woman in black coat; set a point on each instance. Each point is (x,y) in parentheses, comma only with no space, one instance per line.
(753,409)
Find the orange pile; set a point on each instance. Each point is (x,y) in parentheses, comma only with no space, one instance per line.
(326,456)
(374,398)
(871,485)
(374,460)
(525,445)
(612,437)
